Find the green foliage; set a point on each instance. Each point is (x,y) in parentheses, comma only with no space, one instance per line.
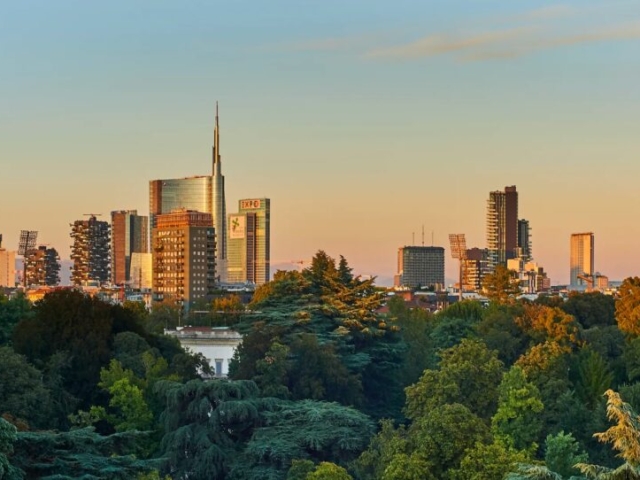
(11,312)
(516,422)
(300,469)
(329,471)
(593,377)
(22,391)
(306,429)
(80,454)
(562,452)
(628,306)
(469,374)
(499,331)
(488,462)
(7,439)
(591,309)
(383,447)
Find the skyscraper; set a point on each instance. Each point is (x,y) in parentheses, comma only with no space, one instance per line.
(90,251)
(249,238)
(582,258)
(129,234)
(43,266)
(219,203)
(502,226)
(191,193)
(420,267)
(183,248)
(524,241)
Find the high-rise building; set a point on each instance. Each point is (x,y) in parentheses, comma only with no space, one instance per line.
(219,203)
(582,258)
(42,267)
(502,226)
(249,238)
(524,241)
(474,268)
(90,251)
(129,234)
(141,271)
(420,267)
(191,193)
(183,248)
(7,267)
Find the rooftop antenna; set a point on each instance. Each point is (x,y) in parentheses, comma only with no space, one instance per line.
(459,251)
(423,235)
(432,238)
(413,238)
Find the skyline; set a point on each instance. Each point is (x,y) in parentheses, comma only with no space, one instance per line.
(361,123)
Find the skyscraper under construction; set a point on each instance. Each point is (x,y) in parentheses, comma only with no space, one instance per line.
(502,226)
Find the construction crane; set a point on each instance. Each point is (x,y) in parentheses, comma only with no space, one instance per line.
(590,279)
(92,214)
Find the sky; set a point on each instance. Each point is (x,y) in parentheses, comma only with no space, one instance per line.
(362,120)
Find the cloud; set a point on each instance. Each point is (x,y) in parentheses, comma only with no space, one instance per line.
(503,44)
(545,13)
(442,44)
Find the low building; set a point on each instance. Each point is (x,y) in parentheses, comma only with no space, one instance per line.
(217,344)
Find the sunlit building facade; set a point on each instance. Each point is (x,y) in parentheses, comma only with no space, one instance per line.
(129,234)
(183,248)
(502,226)
(7,267)
(582,258)
(249,242)
(191,193)
(43,267)
(420,267)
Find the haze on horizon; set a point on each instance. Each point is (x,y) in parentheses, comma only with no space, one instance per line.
(361,120)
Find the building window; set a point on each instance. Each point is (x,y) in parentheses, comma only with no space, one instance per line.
(218,367)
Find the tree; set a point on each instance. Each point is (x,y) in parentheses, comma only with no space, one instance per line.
(488,462)
(80,453)
(501,286)
(516,421)
(7,438)
(22,392)
(11,312)
(329,471)
(593,377)
(591,309)
(543,323)
(562,453)
(624,437)
(469,374)
(628,306)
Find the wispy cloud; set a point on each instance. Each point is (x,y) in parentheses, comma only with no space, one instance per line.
(445,43)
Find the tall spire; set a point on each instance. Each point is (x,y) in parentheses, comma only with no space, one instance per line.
(216,145)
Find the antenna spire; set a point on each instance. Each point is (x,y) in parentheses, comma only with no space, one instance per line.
(216,144)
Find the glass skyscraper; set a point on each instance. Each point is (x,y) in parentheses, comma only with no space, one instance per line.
(191,193)
(249,242)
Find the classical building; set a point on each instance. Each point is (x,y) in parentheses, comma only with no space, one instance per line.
(90,252)
(420,267)
(42,267)
(249,242)
(183,248)
(502,226)
(129,234)
(582,258)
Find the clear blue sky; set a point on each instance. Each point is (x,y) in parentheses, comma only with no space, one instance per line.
(361,120)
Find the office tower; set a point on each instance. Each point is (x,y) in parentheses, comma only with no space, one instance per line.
(249,238)
(7,267)
(420,267)
(582,258)
(90,251)
(42,267)
(474,268)
(129,234)
(183,248)
(191,193)
(524,241)
(219,204)
(502,226)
